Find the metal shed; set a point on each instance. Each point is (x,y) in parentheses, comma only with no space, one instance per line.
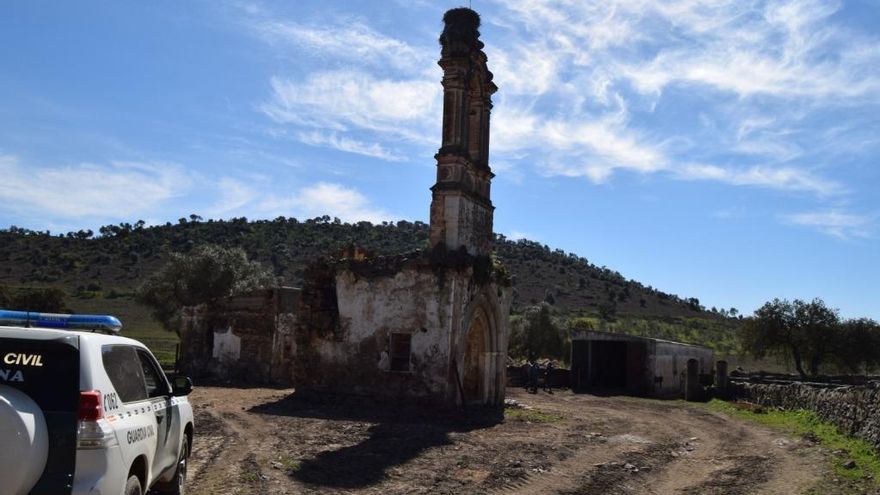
(604,361)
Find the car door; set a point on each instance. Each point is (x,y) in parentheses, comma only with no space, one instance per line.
(167,417)
(133,418)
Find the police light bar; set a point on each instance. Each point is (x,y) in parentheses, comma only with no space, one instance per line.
(103,323)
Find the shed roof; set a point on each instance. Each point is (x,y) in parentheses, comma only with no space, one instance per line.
(601,335)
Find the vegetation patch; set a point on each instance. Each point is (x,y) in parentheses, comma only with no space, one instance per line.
(852,458)
(513,413)
(289,464)
(250,471)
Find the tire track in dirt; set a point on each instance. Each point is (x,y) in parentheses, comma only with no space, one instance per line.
(685,450)
(613,445)
(227,440)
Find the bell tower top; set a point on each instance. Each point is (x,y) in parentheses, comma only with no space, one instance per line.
(461,208)
(461,26)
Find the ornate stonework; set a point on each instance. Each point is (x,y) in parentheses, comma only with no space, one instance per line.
(430,326)
(461,208)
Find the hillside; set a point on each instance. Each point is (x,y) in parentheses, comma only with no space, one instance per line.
(99,273)
(119,259)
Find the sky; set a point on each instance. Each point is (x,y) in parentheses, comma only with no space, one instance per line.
(724,150)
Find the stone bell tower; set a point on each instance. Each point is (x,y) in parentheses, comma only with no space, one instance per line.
(461,208)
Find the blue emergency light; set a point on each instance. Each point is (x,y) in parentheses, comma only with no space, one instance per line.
(103,323)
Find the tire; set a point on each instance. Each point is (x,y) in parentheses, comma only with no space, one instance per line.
(177,485)
(25,441)
(133,486)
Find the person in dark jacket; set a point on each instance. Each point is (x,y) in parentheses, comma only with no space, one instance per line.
(534,372)
(525,372)
(548,378)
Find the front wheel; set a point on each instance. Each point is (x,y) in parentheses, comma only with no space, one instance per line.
(133,486)
(177,485)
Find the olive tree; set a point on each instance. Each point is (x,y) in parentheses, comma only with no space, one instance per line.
(204,275)
(537,333)
(858,345)
(802,331)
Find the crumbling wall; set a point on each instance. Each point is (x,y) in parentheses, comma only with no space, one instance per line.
(196,341)
(423,296)
(336,333)
(370,310)
(241,337)
(853,409)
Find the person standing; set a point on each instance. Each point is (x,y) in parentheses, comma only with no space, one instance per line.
(534,371)
(548,378)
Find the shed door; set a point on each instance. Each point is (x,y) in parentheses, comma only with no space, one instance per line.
(635,368)
(580,364)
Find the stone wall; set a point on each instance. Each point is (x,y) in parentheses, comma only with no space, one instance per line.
(853,409)
(426,326)
(432,300)
(240,337)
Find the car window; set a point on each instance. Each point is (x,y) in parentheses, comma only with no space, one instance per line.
(156,384)
(125,371)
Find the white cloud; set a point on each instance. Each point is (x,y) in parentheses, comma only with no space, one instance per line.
(258,196)
(513,128)
(578,146)
(348,145)
(508,171)
(610,146)
(516,235)
(339,100)
(573,100)
(119,190)
(233,195)
(782,178)
(834,223)
(784,49)
(384,85)
(325,198)
(350,40)
(525,70)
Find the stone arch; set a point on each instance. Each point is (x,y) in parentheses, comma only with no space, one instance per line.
(482,366)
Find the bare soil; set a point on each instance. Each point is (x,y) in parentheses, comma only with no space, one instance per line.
(258,440)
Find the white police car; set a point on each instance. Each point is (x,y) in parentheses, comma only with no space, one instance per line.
(87,412)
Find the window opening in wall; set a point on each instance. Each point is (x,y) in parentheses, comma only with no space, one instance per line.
(400,351)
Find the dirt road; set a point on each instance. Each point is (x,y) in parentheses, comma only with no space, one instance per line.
(262,441)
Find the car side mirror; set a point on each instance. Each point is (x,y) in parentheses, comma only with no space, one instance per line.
(181,386)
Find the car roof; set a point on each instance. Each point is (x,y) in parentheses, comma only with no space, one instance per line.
(93,338)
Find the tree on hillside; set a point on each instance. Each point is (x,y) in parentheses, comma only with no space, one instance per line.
(204,275)
(858,345)
(817,328)
(798,330)
(536,333)
(4,297)
(38,300)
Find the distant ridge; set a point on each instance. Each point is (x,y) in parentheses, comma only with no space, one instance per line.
(121,256)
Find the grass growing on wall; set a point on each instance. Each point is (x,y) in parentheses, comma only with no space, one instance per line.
(807,423)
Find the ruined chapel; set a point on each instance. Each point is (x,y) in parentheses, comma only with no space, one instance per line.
(431,325)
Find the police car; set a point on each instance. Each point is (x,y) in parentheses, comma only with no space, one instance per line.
(85,411)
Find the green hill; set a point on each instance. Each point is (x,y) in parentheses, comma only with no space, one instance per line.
(99,273)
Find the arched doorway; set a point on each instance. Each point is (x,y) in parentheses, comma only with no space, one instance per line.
(474,375)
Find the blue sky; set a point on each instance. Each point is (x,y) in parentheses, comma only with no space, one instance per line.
(725,150)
